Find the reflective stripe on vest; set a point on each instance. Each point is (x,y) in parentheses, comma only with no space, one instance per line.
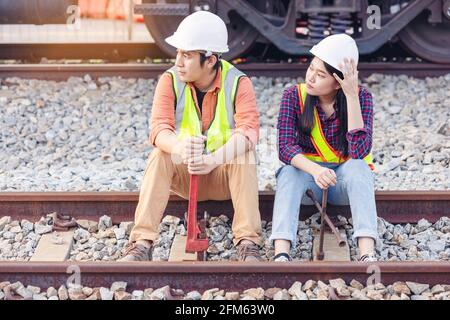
(324,151)
(187,119)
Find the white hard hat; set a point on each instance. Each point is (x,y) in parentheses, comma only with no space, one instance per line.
(201,30)
(335,48)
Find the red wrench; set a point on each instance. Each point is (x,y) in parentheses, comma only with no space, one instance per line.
(196,238)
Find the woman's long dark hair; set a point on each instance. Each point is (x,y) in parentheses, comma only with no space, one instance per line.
(307,119)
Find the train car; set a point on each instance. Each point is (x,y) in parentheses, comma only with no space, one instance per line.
(36,11)
(293,26)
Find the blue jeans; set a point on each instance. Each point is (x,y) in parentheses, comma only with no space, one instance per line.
(354,187)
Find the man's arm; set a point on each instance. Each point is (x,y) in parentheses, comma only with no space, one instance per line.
(237,145)
(163,113)
(246,134)
(163,135)
(166,140)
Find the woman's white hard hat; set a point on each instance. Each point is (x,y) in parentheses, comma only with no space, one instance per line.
(201,31)
(335,48)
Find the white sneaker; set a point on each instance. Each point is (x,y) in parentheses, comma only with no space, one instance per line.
(368,258)
(282,257)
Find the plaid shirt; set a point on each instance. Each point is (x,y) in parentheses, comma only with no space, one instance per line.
(291,142)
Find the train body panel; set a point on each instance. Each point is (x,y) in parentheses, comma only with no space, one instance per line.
(293,26)
(36,11)
(423,26)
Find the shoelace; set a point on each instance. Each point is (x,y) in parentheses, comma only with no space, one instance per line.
(368,258)
(246,250)
(140,250)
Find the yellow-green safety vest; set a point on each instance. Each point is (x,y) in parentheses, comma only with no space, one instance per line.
(187,119)
(324,151)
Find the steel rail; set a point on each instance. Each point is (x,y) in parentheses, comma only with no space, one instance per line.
(61,72)
(224,275)
(394,206)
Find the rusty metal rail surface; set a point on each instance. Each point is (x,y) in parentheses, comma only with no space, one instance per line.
(394,206)
(224,275)
(60,72)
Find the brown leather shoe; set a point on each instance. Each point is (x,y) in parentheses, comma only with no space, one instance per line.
(248,252)
(136,252)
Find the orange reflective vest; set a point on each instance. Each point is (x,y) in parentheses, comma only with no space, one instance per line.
(324,151)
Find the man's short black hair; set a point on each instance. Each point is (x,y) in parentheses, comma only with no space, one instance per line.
(203,59)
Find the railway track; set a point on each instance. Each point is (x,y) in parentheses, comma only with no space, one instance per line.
(60,72)
(396,207)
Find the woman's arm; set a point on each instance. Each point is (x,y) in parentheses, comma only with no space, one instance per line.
(289,151)
(288,146)
(355,119)
(359,112)
(360,139)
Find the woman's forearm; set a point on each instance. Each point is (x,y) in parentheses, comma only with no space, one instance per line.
(355,119)
(304,164)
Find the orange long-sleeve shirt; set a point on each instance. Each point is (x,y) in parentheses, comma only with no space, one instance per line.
(246,116)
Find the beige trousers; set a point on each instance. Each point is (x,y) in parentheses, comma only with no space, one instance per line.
(236,180)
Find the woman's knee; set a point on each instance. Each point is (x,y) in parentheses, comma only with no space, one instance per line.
(291,180)
(356,170)
(292,173)
(356,164)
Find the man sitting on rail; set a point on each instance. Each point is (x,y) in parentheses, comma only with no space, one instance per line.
(204,122)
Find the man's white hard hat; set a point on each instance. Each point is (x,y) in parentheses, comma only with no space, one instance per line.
(335,48)
(201,31)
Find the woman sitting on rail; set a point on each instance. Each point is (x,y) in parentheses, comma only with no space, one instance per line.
(325,140)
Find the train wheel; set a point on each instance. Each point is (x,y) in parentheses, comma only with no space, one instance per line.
(241,35)
(430,42)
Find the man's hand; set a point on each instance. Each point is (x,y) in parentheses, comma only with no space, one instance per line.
(189,148)
(324,177)
(202,165)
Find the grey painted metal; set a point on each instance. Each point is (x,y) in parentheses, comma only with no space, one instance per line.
(163,9)
(283,39)
(35,11)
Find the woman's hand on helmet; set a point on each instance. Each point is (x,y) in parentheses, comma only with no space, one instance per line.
(350,82)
